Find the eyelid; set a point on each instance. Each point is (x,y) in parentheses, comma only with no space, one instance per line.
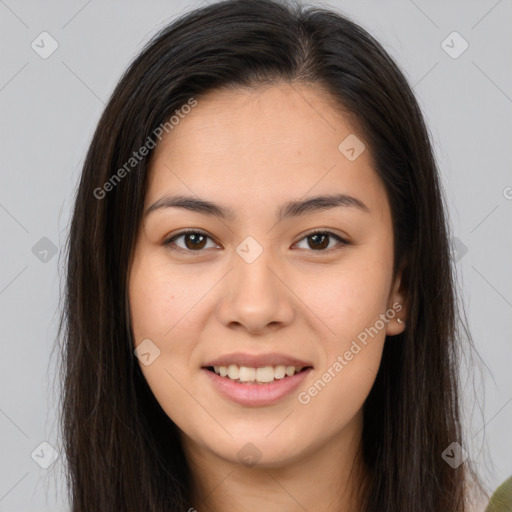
(169,241)
(342,240)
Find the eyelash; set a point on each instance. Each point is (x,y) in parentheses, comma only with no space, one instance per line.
(170,241)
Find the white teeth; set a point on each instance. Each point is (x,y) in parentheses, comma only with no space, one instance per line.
(279,371)
(247,374)
(259,375)
(265,374)
(233,371)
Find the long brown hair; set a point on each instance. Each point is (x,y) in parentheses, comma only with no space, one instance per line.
(122,451)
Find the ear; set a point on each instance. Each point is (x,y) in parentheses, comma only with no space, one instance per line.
(397,303)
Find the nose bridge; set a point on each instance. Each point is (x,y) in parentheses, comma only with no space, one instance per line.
(254,276)
(255,297)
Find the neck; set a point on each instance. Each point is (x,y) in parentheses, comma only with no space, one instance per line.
(329,478)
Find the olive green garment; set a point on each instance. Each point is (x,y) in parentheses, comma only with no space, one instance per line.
(501,500)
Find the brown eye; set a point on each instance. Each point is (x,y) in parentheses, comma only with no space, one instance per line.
(320,240)
(194,241)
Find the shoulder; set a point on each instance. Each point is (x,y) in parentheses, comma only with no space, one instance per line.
(501,500)
(498,501)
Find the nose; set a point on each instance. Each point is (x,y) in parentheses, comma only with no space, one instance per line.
(255,297)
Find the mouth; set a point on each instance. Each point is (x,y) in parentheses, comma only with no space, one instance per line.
(256,379)
(256,375)
(256,386)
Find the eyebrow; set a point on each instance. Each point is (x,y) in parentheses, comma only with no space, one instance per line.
(290,209)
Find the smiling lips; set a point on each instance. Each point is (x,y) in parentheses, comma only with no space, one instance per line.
(265,368)
(251,375)
(256,380)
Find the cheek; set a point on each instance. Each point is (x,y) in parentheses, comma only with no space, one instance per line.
(158,307)
(334,398)
(351,352)
(350,302)
(350,298)
(157,303)
(160,301)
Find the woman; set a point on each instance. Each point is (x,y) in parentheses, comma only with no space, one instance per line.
(260,308)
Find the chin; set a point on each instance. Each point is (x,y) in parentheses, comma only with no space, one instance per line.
(258,451)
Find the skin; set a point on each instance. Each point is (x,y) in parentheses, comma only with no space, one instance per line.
(252,151)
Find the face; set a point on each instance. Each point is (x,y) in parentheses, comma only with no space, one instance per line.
(246,287)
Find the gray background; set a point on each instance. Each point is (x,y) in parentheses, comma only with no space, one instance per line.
(49,110)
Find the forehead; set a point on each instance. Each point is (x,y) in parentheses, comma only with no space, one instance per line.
(276,143)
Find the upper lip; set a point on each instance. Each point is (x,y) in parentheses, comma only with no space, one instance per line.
(256,360)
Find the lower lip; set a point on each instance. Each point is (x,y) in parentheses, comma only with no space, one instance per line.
(256,394)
